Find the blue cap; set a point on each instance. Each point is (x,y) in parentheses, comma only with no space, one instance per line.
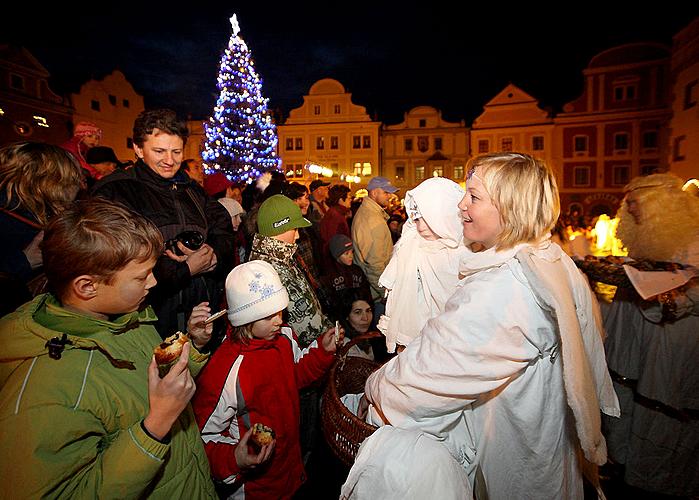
(383,183)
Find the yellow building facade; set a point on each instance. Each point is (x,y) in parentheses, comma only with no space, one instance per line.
(113,105)
(329,130)
(424,145)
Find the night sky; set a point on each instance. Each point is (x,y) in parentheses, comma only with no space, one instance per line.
(391,56)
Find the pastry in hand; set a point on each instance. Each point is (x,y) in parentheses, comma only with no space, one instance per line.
(168,352)
(262,435)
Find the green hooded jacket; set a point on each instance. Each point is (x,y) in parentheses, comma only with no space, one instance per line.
(71,427)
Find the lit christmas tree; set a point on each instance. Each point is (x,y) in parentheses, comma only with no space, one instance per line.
(241,139)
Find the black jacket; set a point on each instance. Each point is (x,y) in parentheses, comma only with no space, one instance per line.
(176,205)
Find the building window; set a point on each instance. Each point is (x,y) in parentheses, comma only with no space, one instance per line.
(366,141)
(334,142)
(690,94)
(125,103)
(17,82)
(458,172)
(129,143)
(423,143)
(40,121)
(299,170)
(420,173)
(299,143)
(366,168)
(650,140)
(408,144)
(483,146)
(538,143)
(400,172)
(506,144)
(678,148)
(581,176)
(316,109)
(423,123)
(337,109)
(437,143)
(112,100)
(289,143)
(438,171)
(356,141)
(357,168)
(649,169)
(95,105)
(621,142)
(625,92)
(320,142)
(580,144)
(621,175)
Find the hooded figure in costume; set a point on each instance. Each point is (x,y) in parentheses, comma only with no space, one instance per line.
(422,274)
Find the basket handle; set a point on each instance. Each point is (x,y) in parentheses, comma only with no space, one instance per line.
(342,351)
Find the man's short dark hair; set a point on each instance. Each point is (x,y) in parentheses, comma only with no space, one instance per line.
(294,190)
(336,193)
(164,120)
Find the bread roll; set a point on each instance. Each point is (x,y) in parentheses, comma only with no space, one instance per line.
(168,352)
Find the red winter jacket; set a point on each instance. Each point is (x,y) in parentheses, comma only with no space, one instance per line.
(247,383)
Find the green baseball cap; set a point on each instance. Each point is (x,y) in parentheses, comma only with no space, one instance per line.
(279,214)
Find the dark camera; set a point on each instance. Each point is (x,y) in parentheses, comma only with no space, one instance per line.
(191,239)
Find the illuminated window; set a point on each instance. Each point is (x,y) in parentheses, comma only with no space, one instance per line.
(366,168)
(41,121)
(483,146)
(357,168)
(419,172)
(438,171)
(538,143)
(458,172)
(400,172)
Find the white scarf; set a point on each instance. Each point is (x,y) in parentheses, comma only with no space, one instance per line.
(415,261)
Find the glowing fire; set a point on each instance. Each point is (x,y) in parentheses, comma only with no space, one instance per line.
(604,236)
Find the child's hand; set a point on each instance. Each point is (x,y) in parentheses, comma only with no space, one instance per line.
(196,329)
(327,340)
(168,396)
(247,460)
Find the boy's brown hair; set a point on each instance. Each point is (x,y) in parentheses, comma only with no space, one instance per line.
(96,237)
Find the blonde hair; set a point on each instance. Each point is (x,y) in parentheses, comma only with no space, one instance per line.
(525,192)
(41,178)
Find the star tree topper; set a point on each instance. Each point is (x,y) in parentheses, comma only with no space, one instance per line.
(236,26)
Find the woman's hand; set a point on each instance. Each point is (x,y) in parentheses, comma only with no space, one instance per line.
(327,340)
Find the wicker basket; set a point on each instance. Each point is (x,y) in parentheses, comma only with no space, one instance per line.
(343,430)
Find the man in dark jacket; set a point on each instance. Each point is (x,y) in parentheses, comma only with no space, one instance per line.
(196,228)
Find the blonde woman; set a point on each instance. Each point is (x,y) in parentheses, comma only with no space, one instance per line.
(511,377)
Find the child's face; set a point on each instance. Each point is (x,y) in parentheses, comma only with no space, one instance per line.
(360,316)
(425,230)
(267,328)
(347,257)
(481,218)
(127,290)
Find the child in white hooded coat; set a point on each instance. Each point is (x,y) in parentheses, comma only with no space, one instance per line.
(424,269)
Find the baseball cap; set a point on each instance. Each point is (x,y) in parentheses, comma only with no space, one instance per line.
(278,214)
(339,244)
(383,183)
(316,184)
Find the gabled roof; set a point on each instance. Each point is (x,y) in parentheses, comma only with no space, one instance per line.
(21,60)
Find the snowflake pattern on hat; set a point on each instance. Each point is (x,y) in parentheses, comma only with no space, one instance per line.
(264,289)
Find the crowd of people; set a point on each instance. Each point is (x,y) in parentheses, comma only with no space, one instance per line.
(491,341)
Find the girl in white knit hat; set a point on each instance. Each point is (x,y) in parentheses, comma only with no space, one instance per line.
(254,377)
